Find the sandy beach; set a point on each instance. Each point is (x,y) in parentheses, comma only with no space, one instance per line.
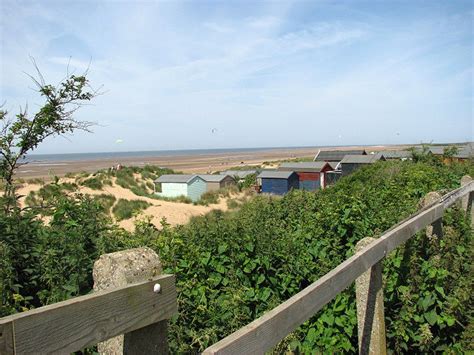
(205,163)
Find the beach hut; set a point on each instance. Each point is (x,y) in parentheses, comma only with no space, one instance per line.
(278,182)
(336,155)
(216,182)
(311,175)
(331,177)
(350,163)
(175,185)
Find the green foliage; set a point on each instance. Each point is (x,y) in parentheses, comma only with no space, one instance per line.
(37,181)
(25,132)
(106,201)
(125,209)
(46,197)
(450,151)
(42,264)
(97,181)
(181,199)
(212,197)
(126,178)
(232,203)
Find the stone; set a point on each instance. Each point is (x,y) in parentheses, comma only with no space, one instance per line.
(434,230)
(119,269)
(370,308)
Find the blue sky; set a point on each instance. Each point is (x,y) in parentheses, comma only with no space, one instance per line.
(224,74)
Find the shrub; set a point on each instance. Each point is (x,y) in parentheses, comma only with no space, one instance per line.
(125,209)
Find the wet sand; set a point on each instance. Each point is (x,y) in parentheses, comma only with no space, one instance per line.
(206,163)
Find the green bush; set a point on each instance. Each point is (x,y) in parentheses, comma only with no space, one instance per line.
(125,209)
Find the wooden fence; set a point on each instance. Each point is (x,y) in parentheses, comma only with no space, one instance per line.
(71,325)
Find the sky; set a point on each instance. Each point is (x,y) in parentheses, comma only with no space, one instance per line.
(228,74)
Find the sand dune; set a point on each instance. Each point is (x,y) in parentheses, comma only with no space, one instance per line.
(174,212)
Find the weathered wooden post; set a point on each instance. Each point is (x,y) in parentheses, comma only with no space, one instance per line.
(466,202)
(436,228)
(120,269)
(370,311)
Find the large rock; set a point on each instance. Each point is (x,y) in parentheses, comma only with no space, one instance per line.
(120,269)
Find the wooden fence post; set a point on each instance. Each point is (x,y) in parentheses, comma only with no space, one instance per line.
(436,228)
(120,269)
(370,312)
(466,202)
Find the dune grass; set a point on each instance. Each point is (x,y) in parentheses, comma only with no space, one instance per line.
(125,209)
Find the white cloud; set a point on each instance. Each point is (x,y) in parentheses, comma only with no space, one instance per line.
(169,76)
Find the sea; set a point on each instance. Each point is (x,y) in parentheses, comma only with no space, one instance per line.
(50,158)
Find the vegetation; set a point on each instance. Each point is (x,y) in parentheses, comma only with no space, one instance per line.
(125,209)
(212,197)
(106,201)
(22,134)
(180,199)
(45,198)
(97,181)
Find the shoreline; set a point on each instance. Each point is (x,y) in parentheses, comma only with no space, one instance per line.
(187,163)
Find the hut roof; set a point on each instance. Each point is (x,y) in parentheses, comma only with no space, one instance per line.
(314,166)
(362,159)
(337,155)
(464,151)
(213,177)
(396,154)
(274,174)
(175,178)
(240,173)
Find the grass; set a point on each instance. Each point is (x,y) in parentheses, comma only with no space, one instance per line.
(46,194)
(96,181)
(125,209)
(182,199)
(36,181)
(212,197)
(232,204)
(106,201)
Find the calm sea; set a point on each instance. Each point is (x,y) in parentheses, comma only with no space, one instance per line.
(38,158)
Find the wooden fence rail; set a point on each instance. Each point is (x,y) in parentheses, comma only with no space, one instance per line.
(267,331)
(83,321)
